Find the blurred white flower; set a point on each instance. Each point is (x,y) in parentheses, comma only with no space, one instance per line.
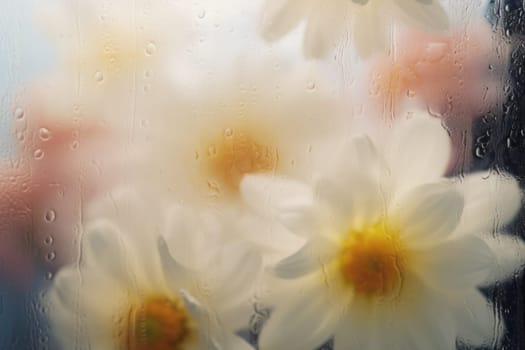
(395,251)
(127,292)
(112,55)
(250,119)
(326,21)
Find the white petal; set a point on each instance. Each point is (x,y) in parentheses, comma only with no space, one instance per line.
(66,290)
(418,152)
(324,28)
(176,275)
(310,257)
(353,187)
(428,212)
(234,342)
(509,253)
(491,201)
(187,237)
(124,205)
(478,321)
(305,321)
(427,14)
(288,201)
(105,250)
(281,16)
(433,328)
(457,264)
(236,269)
(271,238)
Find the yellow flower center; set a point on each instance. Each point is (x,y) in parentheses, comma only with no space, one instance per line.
(158,324)
(237,152)
(372,261)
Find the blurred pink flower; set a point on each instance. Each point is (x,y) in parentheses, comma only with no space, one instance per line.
(57,165)
(458,77)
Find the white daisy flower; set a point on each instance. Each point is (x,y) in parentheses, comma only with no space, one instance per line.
(110,53)
(127,292)
(326,21)
(249,120)
(395,251)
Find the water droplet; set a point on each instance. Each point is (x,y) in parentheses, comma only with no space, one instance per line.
(44,134)
(212,151)
(228,133)
(197,155)
(38,154)
(147,88)
(310,85)
(144,123)
(201,14)
(51,256)
(150,48)
(411,93)
(49,277)
(50,216)
(19,113)
(74,145)
(48,240)
(99,77)
(147,74)
(215,189)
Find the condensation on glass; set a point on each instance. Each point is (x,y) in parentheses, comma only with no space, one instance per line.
(277,174)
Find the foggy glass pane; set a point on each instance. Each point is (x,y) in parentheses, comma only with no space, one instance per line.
(271,174)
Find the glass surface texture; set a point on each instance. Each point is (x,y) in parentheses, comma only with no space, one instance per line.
(270,175)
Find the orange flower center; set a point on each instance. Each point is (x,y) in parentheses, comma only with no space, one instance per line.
(238,152)
(158,324)
(372,261)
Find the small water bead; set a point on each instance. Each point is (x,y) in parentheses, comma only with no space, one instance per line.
(44,134)
(48,240)
(310,85)
(50,216)
(38,154)
(201,14)
(74,145)
(99,77)
(51,256)
(19,113)
(151,48)
(212,151)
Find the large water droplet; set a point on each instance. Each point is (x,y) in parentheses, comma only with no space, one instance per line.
(44,134)
(50,215)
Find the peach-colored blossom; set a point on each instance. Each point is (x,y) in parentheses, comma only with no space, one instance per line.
(458,77)
(57,164)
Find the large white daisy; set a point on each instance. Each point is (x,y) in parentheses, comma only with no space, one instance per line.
(127,292)
(326,21)
(395,251)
